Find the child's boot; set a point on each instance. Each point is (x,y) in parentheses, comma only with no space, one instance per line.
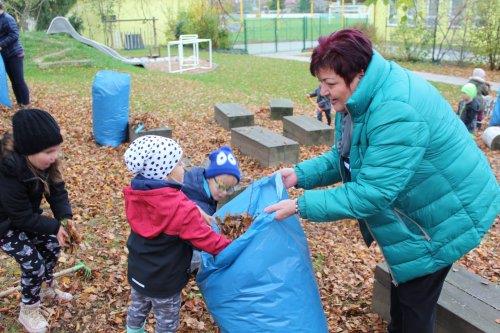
(136,330)
(52,292)
(32,319)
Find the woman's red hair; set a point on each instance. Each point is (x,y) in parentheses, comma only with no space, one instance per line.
(347,52)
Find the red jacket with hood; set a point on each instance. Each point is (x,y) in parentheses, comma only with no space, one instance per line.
(165,226)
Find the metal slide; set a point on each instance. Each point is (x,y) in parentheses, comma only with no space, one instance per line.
(61,24)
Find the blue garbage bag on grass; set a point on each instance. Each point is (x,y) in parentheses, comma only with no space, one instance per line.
(495,116)
(263,281)
(4,90)
(110,107)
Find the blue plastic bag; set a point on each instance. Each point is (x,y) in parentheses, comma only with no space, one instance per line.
(4,89)
(263,281)
(495,116)
(110,107)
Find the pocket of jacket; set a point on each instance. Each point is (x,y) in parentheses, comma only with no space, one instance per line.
(411,224)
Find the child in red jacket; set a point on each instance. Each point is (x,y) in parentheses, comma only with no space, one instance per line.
(165,226)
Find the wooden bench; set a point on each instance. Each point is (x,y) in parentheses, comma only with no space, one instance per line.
(161,131)
(491,137)
(468,303)
(307,131)
(229,115)
(266,146)
(280,107)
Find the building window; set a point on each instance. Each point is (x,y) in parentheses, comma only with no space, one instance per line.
(411,15)
(432,12)
(393,13)
(457,13)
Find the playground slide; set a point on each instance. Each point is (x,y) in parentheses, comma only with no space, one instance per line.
(61,25)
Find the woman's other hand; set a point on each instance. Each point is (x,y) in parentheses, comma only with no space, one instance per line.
(283,209)
(288,176)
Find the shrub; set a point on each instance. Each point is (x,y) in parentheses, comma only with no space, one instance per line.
(77,22)
(201,19)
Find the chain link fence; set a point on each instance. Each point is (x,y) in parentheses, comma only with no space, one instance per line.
(298,32)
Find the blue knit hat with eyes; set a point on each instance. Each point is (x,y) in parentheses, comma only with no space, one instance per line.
(222,162)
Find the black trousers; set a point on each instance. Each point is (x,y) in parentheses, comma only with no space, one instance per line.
(15,70)
(36,255)
(413,303)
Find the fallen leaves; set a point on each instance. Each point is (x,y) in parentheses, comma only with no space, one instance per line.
(96,175)
(234,226)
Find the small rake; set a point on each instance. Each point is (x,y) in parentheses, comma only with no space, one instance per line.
(87,274)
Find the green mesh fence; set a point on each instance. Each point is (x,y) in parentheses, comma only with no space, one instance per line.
(262,35)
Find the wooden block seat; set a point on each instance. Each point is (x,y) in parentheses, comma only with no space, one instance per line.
(280,107)
(266,146)
(161,131)
(468,303)
(307,130)
(229,115)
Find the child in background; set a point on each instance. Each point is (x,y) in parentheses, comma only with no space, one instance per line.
(469,106)
(165,226)
(323,104)
(28,172)
(207,186)
(478,78)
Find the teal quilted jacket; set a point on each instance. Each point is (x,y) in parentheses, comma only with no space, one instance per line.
(419,185)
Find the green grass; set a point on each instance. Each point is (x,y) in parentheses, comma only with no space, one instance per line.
(39,44)
(238,78)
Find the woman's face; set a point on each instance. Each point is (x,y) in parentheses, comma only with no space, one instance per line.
(334,87)
(44,159)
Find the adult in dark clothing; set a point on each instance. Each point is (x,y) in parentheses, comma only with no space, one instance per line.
(13,57)
(28,172)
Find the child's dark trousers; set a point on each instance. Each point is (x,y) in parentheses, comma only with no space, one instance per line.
(37,256)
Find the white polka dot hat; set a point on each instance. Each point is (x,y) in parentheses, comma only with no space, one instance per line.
(153,156)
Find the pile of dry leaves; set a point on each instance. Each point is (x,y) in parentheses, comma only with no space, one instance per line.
(233,226)
(96,175)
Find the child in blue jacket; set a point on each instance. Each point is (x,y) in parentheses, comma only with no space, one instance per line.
(207,186)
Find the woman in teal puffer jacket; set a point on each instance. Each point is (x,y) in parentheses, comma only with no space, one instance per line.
(412,176)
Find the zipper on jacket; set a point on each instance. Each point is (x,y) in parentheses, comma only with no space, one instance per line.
(383,255)
(367,226)
(399,213)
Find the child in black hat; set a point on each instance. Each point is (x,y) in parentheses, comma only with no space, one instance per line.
(28,172)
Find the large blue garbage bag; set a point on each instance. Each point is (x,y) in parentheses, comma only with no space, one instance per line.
(110,107)
(263,281)
(4,90)
(495,116)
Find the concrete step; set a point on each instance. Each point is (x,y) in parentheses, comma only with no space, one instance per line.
(266,146)
(307,130)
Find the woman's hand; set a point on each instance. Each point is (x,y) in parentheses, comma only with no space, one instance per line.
(288,176)
(283,209)
(62,237)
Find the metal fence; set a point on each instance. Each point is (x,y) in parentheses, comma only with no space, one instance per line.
(130,34)
(278,34)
